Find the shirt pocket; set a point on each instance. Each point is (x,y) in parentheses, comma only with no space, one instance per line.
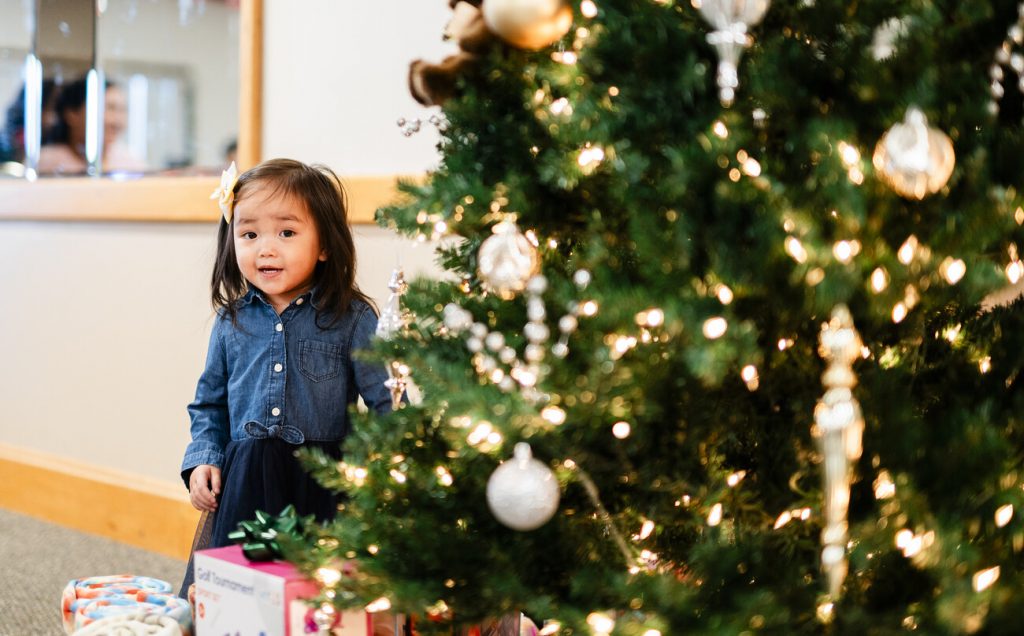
(319,361)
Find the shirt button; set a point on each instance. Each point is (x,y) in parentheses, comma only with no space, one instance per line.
(299,301)
(279,327)
(278,367)
(275,411)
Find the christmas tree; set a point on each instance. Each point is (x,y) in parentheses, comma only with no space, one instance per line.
(721,268)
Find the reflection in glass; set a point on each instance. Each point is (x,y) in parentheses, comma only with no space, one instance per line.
(166,86)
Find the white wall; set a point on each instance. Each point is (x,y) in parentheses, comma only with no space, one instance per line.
(104,325)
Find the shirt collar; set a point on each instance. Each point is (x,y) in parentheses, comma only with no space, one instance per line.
(253,293)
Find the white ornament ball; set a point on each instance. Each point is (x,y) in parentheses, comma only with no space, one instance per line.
(523,493)
(913,158)
(507,261)
(528,24)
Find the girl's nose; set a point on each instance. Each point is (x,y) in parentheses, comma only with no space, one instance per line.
(266,248)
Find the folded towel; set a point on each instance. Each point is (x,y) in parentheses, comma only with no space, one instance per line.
(92,599)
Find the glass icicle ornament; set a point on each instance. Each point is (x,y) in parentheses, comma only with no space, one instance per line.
(731,20)
(507,260)
(913,158)
(523,493)
(392,320)
(840,429)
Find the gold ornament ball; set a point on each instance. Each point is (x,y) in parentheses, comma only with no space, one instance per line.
(528,24)
(507,260)
(913,158)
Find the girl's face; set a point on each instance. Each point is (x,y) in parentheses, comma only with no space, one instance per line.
(277,245)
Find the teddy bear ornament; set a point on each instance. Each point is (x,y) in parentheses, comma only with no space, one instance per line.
(525,24)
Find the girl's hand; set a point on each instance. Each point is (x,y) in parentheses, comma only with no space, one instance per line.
(203,487)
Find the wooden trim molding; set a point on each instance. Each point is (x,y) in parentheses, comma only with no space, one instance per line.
(132,509)
(185,199)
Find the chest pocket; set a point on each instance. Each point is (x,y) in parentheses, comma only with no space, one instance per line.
(319,361)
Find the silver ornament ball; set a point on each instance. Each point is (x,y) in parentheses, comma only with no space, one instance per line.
(523,493)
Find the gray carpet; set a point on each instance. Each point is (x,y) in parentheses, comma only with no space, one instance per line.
(37,559)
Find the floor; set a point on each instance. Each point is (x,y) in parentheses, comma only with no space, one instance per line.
(38,560)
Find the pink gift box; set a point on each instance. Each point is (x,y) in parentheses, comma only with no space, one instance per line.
(236,596)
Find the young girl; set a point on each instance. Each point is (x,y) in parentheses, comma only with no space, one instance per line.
(279,371)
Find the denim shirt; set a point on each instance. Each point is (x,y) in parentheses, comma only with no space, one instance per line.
(282,376)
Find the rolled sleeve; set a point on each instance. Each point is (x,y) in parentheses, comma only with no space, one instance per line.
(209,410)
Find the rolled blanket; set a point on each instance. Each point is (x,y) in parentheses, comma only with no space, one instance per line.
(89,600)
(137,624)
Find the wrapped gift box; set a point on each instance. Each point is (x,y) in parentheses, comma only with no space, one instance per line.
(266,598)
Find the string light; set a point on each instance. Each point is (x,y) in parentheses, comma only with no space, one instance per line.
(984,579)
(985,364)
(879,280)
(952,270)
(382,604)
(715,516)
(844,251)
(588,9)
(715,327)
(884,486)
(646,529)
(601,623)
(724,294)
(553,415)
(621,430)
(796,249)
(653,317)
(719,129)
(750,377)
(1003,515)
(899,312)
(444,476)
(735,478)
(907,250)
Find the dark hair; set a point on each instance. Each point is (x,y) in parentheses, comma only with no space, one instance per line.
(71,97)
(322,193)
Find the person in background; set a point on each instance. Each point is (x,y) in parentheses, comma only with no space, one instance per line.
(63,152)
(12,135)
(280,371)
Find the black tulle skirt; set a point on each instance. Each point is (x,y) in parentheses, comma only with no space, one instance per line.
(261,474)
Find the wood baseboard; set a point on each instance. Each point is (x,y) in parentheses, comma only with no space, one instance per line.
(121,506)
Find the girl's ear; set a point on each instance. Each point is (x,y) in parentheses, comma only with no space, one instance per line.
(323,256)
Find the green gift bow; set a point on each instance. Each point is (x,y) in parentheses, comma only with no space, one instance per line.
(260,538)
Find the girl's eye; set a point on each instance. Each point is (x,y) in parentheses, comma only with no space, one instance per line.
(287,233)
(249,235)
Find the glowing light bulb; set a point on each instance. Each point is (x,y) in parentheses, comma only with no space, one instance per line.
(879,280)
(953,270)
(907,250)
(715,327)
(751,167)
(724,294)
(553,415)
(783,519)
(796,249)
(621,430)
(884,486)
(588,9)
(849,154)
(720,130)
(601,623)
(899,312)
(984,579)
(985,364)
(715,516)
(1003,515)
(382,604)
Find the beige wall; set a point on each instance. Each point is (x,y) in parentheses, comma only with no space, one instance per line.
(105,324)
